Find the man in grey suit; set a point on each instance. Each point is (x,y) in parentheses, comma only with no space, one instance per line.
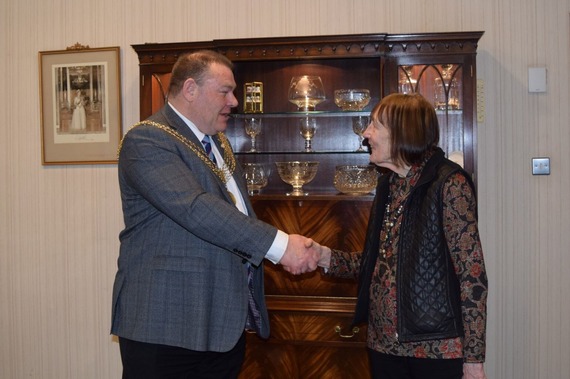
(191,243)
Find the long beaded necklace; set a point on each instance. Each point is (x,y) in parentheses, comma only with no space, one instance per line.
(390,220)
(392,213)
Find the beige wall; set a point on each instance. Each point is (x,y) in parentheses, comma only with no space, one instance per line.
(59,225)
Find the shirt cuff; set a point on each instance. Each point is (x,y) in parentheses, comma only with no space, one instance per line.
(277,249)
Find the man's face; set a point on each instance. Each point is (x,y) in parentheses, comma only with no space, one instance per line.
(214,100)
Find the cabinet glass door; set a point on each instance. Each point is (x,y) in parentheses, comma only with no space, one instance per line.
(159,83)
(441,84)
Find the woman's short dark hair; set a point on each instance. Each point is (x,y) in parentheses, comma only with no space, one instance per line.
(194,65)
(412,123)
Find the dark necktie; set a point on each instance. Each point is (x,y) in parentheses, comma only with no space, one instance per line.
(254,318)
(208,147)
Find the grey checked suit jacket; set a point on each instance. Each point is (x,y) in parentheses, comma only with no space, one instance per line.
(182,277)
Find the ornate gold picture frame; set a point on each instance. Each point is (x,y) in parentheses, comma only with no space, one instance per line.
(80,100)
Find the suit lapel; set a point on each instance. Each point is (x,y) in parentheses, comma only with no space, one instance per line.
(175,122)
(169,117)
(240,181)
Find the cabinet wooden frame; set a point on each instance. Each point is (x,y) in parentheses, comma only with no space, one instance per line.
(311,314)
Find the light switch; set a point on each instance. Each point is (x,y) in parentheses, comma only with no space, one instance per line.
(537,79)
(541,166)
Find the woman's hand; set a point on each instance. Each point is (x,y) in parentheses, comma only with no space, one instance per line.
(325,258)
(473,371)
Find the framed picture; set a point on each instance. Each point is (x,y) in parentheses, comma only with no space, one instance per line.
(80,100)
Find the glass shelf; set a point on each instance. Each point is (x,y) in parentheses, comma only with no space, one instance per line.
(313,196)
(338,113)
(449,111)
(324,114)
(301,152)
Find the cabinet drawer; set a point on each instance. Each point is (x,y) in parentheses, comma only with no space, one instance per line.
(300,327)
(264,360)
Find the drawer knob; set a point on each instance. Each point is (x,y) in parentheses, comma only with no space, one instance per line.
(338,329)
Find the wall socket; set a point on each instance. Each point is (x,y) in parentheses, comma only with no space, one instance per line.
(541,166)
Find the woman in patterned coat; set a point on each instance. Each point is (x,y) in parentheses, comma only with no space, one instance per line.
(422,280)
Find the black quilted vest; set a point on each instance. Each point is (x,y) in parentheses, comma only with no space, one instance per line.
(427,288)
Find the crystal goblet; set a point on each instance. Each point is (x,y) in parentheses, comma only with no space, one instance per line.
(359,125)
(306,92)
(407,83)
(308,128)
(446,89)
(354,100)
(256,177)
(252,129)
(297,174)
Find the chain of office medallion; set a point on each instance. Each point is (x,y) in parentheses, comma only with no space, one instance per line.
(223,173)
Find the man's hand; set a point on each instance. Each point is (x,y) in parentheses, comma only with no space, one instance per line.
(301,255)
(473,371)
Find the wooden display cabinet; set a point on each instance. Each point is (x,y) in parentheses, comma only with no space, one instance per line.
(311,335)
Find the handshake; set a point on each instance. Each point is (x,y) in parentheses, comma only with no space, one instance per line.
(304,255)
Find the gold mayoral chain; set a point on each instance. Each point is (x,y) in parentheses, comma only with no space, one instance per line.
(229,165)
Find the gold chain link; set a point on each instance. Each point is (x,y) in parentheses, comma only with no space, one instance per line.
(229,165)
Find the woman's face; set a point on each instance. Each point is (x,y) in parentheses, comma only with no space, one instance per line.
(379,141)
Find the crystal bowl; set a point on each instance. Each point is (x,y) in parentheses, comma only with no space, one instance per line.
(355,179)
(351,99)
(297,174)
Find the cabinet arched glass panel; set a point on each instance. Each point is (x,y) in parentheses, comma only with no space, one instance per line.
(441,84)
